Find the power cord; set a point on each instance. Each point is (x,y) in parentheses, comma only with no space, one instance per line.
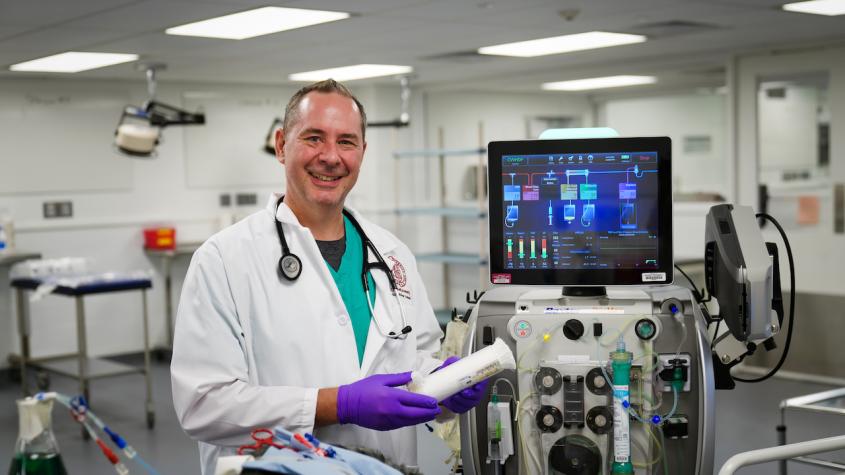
(695,293)
(791,304)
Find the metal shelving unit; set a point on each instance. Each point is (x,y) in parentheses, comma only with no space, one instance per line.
(446,212)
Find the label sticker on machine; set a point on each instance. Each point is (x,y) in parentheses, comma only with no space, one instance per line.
(590,310)
(501,278)
(654,277)
(522,329)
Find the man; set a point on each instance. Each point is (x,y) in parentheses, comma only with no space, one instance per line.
(263,340)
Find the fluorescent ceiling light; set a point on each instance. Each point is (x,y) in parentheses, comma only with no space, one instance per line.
(252,23)
(818,7)
(562,44)
(350,73)
(73,62)
(598,83)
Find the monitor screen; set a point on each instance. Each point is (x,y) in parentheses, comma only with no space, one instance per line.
(581,212)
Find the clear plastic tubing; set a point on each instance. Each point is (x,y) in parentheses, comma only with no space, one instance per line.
(465,372)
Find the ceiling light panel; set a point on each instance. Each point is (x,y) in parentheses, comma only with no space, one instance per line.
(258,22)
(599,83)
(351,73)
(818,7)
(73,62)
(562,44)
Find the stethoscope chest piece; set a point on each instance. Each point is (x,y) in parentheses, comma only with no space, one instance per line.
(290,266)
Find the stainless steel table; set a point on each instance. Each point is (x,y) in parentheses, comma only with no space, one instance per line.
(79,365)
(8,258)
(167,257)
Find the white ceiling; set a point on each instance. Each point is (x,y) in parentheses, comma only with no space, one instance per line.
(433,36)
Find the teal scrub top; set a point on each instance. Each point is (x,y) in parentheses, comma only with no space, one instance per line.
(348,281)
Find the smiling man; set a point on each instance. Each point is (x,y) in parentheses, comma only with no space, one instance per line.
(306,315)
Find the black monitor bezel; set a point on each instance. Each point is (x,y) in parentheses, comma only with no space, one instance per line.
(579,277)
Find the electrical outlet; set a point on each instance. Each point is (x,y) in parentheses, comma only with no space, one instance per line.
(65,209)
(57,209)
(246,199)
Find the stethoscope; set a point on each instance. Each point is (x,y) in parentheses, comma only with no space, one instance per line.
(290,266)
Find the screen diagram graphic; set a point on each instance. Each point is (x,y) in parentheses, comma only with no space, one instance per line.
(581,211)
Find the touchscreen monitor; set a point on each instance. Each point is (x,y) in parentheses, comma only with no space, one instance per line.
(581,212)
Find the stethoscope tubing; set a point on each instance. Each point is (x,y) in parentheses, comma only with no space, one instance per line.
(290,267)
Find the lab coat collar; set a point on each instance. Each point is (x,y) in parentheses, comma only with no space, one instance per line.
(382,240)
(386,306)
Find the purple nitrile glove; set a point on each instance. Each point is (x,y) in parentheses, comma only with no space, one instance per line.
(466,399)
(376,403)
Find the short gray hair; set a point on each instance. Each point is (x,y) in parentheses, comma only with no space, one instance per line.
(326,87)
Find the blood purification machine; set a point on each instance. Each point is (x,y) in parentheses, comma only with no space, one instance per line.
(616,368)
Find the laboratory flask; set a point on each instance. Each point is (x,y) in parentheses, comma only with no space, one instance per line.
(36,450)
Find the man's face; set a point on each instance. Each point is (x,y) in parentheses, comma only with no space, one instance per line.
(322,152)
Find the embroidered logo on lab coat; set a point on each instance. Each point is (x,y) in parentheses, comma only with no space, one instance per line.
(401,277)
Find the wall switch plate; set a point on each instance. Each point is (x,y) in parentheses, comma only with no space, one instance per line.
(246,199)
(57,209)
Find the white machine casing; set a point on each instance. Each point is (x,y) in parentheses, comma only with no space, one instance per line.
(532,319)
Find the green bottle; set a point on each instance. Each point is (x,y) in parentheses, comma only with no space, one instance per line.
(36,449)
(620,364)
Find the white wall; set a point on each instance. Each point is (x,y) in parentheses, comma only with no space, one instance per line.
(819,259)
(471,120)
(788,132)
(181,187)
(111,204)
(678,116)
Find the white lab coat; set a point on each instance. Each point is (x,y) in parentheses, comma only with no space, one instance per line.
(251,348)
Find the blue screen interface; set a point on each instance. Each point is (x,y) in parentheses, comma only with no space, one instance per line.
(581,211)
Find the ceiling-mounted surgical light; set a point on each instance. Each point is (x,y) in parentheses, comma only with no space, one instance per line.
(139,128)
(403,120)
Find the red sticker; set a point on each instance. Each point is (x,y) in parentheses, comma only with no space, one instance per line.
(501,278)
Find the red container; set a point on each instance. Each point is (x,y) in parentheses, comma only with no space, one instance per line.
(160,238)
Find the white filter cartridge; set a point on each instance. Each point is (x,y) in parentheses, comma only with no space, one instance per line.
(465,372)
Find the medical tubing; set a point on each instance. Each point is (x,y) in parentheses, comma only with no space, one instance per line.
(506,380)
(657,419)
(464,373)
(521,407)
(674,403)
(695,293)
(541,338)
(791,305)
(679,317)
(658,450)
(82,413)
(120,442)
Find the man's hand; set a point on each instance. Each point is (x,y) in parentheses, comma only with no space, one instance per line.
(466,399)
(376,403)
